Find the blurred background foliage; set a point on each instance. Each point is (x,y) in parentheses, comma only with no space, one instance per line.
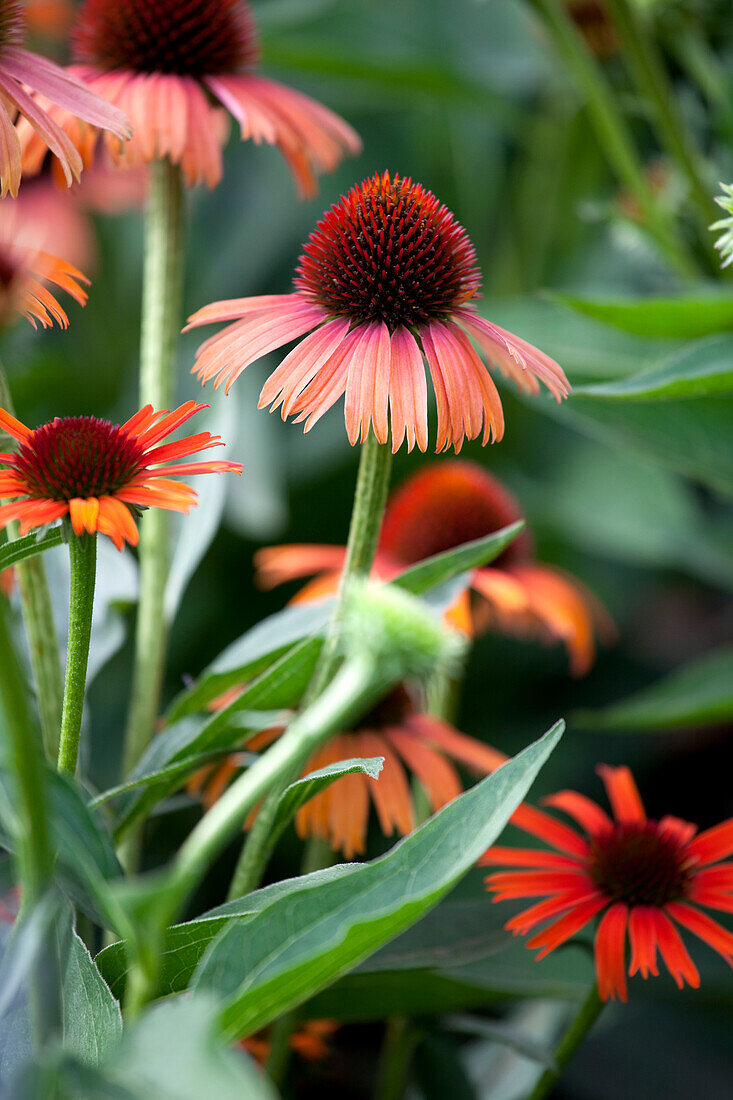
(630,491)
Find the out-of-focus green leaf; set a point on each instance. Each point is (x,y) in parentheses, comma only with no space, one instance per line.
(699,370)
(258,969)
(684,318)
(28,546)
(302,790)
(691,437)
(505,1035)
(699,694)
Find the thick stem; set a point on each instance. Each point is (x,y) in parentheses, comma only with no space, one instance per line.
(613,132)
(370,497)
(398,1046)
(35,599)
(581,1024)
(161,310)
(656,90)
(83,559)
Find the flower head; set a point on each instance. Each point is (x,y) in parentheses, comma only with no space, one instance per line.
(310,1041)
(22,74)
(98,473)
(443,506)
(410,740)
(724,243)
(385,281)
(172,65)
(645,877)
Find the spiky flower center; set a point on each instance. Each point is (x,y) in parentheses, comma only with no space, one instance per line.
(183,37)
(639,864)
(11,23)
(78,456)
(389,251)
(444,506)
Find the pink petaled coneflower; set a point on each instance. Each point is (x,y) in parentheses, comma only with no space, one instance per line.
(98,473)
(442,506)
(23,73)
(410,740)
(171,65)
(385,281)
(645,877)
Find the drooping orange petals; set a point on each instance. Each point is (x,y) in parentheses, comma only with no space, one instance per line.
(673,951)
(623,794)
(610,945)
(567,926)
(391,793)
(437,775)
(713,844)
(274,565)
(467,750)
(557,603)
(643,937)
(719,938)
(587,813)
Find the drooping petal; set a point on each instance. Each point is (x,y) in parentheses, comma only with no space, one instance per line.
(439,778)
(367,385)
(328,385)
(610,944)
(275,565)
(558,605)
(562,930)
(717,937)
(467,750)
(519,360)
(408,392)
(713,844)
(587,813)
(301,365)
(673,951)
(643,938)
(520,924)
(623,794)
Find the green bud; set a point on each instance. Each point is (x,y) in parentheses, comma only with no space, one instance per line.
(401,634)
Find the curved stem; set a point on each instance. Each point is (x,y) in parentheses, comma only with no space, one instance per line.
(161,309)
(613,132)
(370,497)
(581,1024)
(83,559)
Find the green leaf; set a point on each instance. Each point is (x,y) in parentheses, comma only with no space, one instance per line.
(683,318)
(427,574)
(302,790)
(691,437)
(279,687)
(174,1053)
(28,546)
(699,370)
(697,695)
(251,654)
(260,969)
(505,1035)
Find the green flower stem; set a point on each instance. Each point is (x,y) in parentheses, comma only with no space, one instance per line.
(370,497)
(613,132)
(35,599)
(581,1024)
(161,312)
(652,82)
(398,1047)
(83,559)
(355,687)
(23,755)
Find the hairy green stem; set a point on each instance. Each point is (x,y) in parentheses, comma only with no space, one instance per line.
(355,687)
(654,86)
(83,560)
(613,132)
(581,1024)
(161,310)
(370,497)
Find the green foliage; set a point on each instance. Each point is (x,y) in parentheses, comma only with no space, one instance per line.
(699,694)
(28,546)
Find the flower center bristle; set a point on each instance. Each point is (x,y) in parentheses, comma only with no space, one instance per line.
(390,711)
(12,23)
(389,251)
(638,864)
(78,456)
(442,507)
(183,37)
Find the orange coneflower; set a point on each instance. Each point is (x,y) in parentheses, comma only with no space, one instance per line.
(645,876)
(309,1041)
(98,473)
(386,280)
(21,75)
(173,64)
(409,740)
(26,270)
(443,506)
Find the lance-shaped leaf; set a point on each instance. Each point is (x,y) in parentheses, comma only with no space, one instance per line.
(700,694)
(702,369)
(28,546)
(680,318)
(302,790)
(261,965)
